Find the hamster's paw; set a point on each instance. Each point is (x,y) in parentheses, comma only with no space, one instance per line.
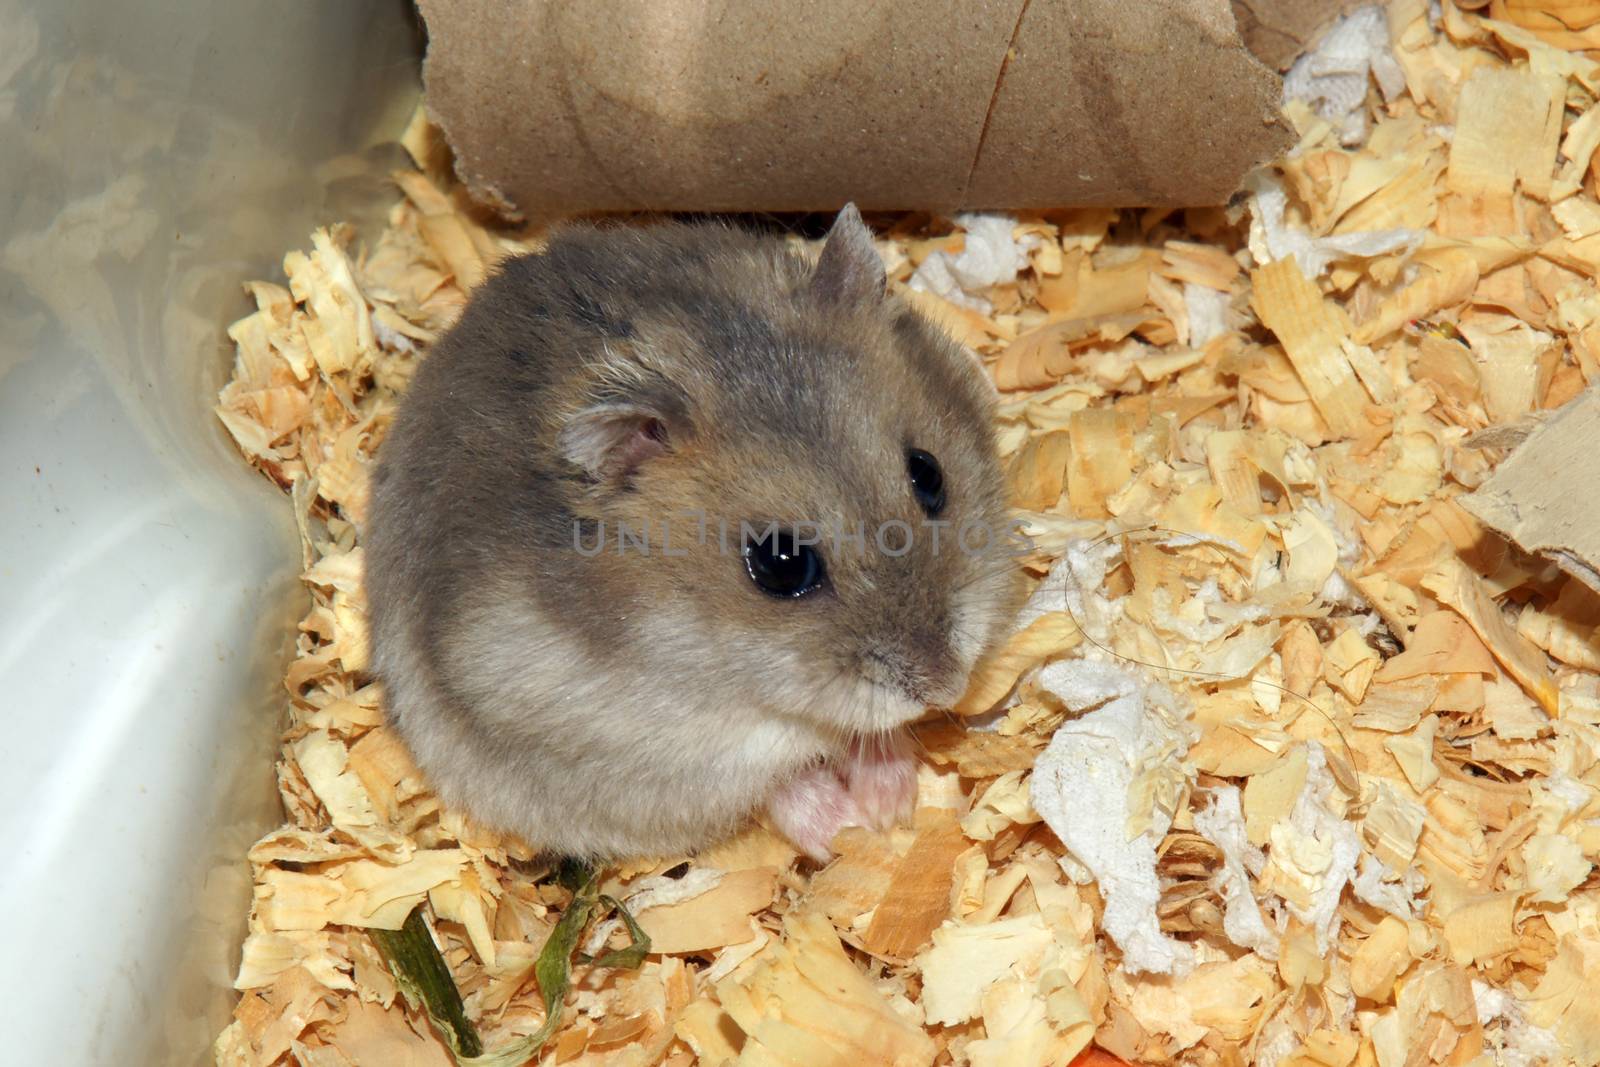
(810,808)
(881,775)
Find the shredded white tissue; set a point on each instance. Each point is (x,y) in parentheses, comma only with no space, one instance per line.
(390,338)
(1379,885)
(1332,78)
(1518,1042)
(1272,239)
(1098,755)
(1071,586)
(1208,313)
(1316,848)
(1130,736)
(1556,798)
(1222,823)
(1049,595)
(1081,571)
(992,256)
(1279,1040)
(1337,590)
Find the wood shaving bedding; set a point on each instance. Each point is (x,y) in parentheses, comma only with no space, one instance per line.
(1345,739)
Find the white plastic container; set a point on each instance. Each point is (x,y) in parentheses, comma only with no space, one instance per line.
(153,156)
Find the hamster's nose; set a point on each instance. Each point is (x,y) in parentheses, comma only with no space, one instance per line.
(924,668)
(934,669)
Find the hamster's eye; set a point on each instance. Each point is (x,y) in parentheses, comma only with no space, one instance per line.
(927,480)
(779,567)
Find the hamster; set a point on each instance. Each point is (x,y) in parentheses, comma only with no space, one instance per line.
(655,542)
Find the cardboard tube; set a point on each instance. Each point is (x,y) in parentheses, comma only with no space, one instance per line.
(720,105)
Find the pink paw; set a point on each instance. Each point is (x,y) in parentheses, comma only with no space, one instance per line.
(810,808)
(881,775)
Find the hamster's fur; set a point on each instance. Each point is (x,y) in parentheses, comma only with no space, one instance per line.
(646,702)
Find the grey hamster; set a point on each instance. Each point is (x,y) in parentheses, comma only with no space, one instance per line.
(597,612)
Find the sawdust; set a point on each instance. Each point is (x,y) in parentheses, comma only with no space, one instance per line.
(1290,760)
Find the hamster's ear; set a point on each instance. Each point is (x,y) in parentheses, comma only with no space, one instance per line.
(849,271)
(611,440)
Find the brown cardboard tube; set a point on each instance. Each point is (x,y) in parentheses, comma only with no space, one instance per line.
(719,105)
(1275,31)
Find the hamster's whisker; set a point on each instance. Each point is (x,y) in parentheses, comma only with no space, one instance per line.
(880,745)
(983,574)
(920,746)
(837,733)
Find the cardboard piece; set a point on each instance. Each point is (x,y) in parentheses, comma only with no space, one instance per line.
(1275,31)
(1542,495)
(708,105)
